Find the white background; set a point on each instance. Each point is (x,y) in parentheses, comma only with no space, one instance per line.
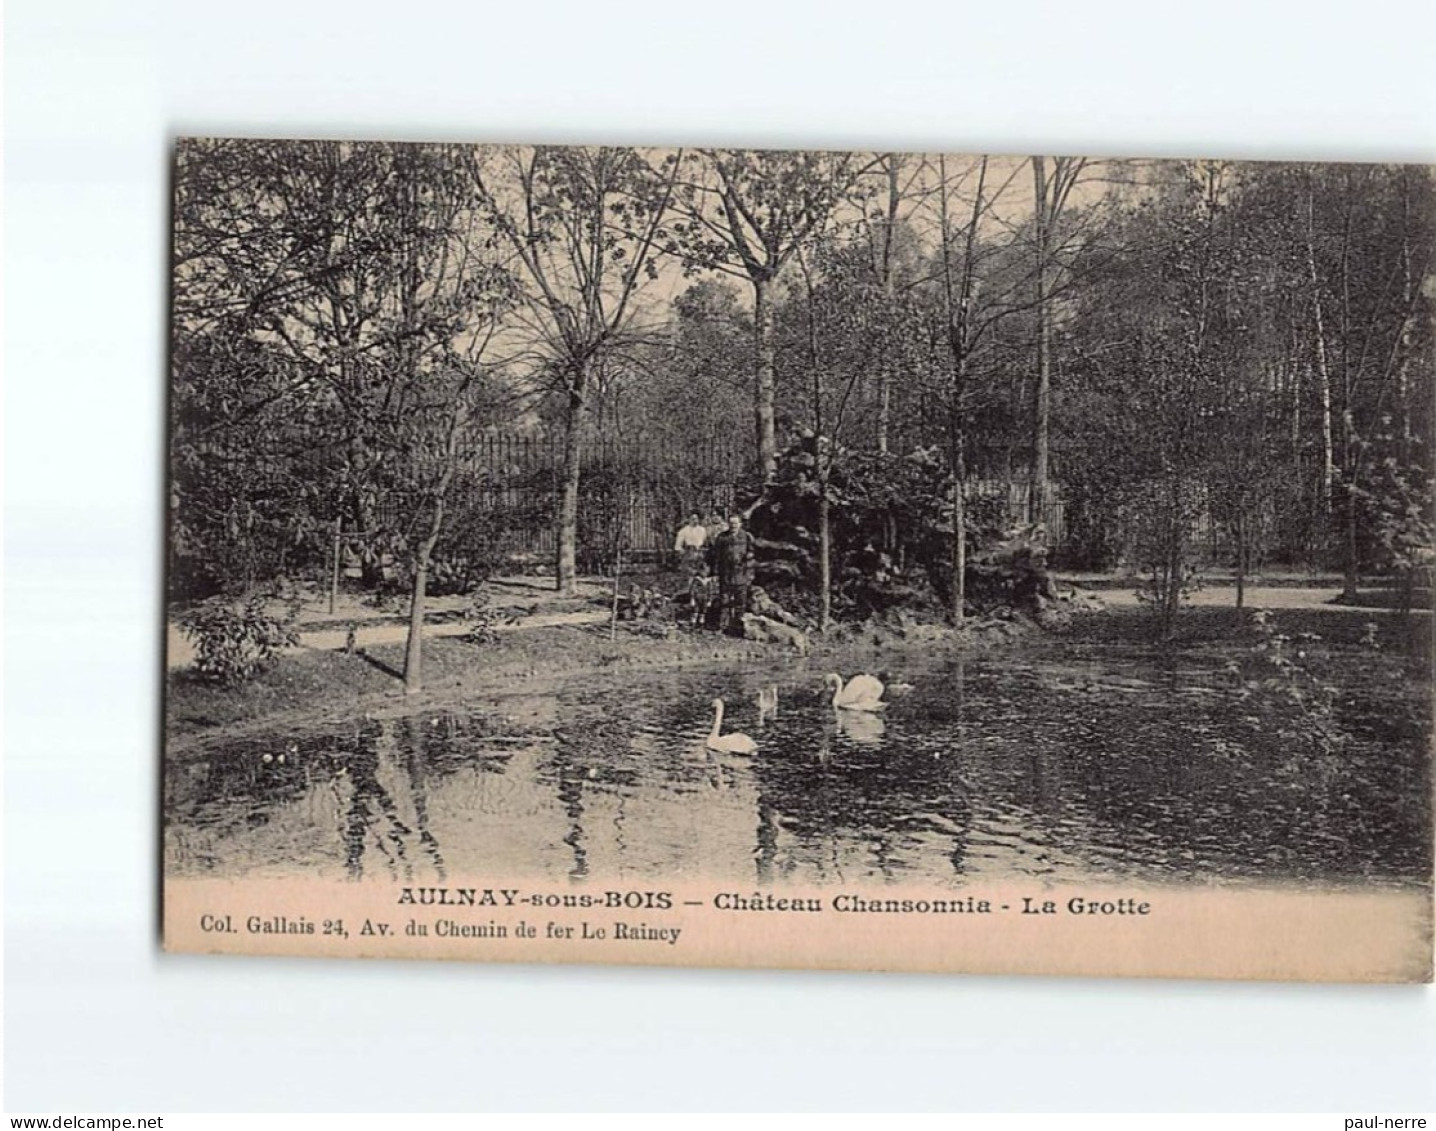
(96,1018)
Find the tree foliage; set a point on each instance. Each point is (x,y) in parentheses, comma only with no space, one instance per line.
(1216,364)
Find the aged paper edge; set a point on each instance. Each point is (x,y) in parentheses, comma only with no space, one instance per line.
(1274,934)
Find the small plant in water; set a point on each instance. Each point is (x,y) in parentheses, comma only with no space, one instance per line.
(236,641)
(1280,678)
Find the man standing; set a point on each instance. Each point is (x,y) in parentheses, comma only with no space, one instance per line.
(733,563)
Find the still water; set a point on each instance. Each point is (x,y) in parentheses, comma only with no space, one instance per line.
(1064,770)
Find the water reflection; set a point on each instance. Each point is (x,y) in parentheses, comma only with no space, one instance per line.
(861,727)
(1074,770)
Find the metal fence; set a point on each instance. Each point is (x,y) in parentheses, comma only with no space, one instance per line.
(632,496)
(636,496)
(1014,496)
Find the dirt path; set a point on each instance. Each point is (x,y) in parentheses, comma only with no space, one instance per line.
(1258,597)
(531,600)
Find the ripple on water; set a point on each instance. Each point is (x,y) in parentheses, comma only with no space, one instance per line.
(1068,770)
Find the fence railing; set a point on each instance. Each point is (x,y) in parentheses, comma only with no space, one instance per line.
(631,495)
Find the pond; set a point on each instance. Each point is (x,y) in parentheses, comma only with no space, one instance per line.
(1127,767)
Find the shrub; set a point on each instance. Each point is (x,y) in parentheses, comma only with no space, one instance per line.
(1280,679)
(471,549)
(1162,515)
(235,641)
(485,619)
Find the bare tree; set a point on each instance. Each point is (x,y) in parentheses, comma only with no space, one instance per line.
(747,214)
(829,395)
(958,283)
(1051,191)
(584,226)
(904,190)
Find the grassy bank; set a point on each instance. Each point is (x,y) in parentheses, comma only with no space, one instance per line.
(1341,630)
(311,686)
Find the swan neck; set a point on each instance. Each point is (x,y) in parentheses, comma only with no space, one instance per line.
(717,718)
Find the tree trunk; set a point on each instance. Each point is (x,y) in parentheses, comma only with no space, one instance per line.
(822,464)
(362,512)
(1323,368)
(1037,492)
(885,267)
(884,404)
(1351,577)
(1174,595)
(617,580)
(763,387)
(1323,372)
(1171,594)
(567,569)
(959,538)
(825,566)
(1241,538)
(414,649)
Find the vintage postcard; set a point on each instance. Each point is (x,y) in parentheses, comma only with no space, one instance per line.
(847,560)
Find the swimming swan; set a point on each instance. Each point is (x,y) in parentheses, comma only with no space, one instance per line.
(728,743)
(861,693)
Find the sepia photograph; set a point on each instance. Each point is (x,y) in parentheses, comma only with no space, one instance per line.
(755,557)
(659,558)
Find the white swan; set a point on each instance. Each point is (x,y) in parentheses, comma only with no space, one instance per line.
(861,693)
(728,743)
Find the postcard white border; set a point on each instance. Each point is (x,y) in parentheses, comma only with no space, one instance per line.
(95,91)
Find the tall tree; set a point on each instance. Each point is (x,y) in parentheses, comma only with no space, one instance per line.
(830,325)
(1051,190)
(893,253)
(1370,254)
(959,279)
(747,214)
(584,226)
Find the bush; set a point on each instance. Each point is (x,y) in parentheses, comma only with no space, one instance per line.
(1162,515)
(235,641)
(1280,680)
(471,549)
(1093,539)
(485,620)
